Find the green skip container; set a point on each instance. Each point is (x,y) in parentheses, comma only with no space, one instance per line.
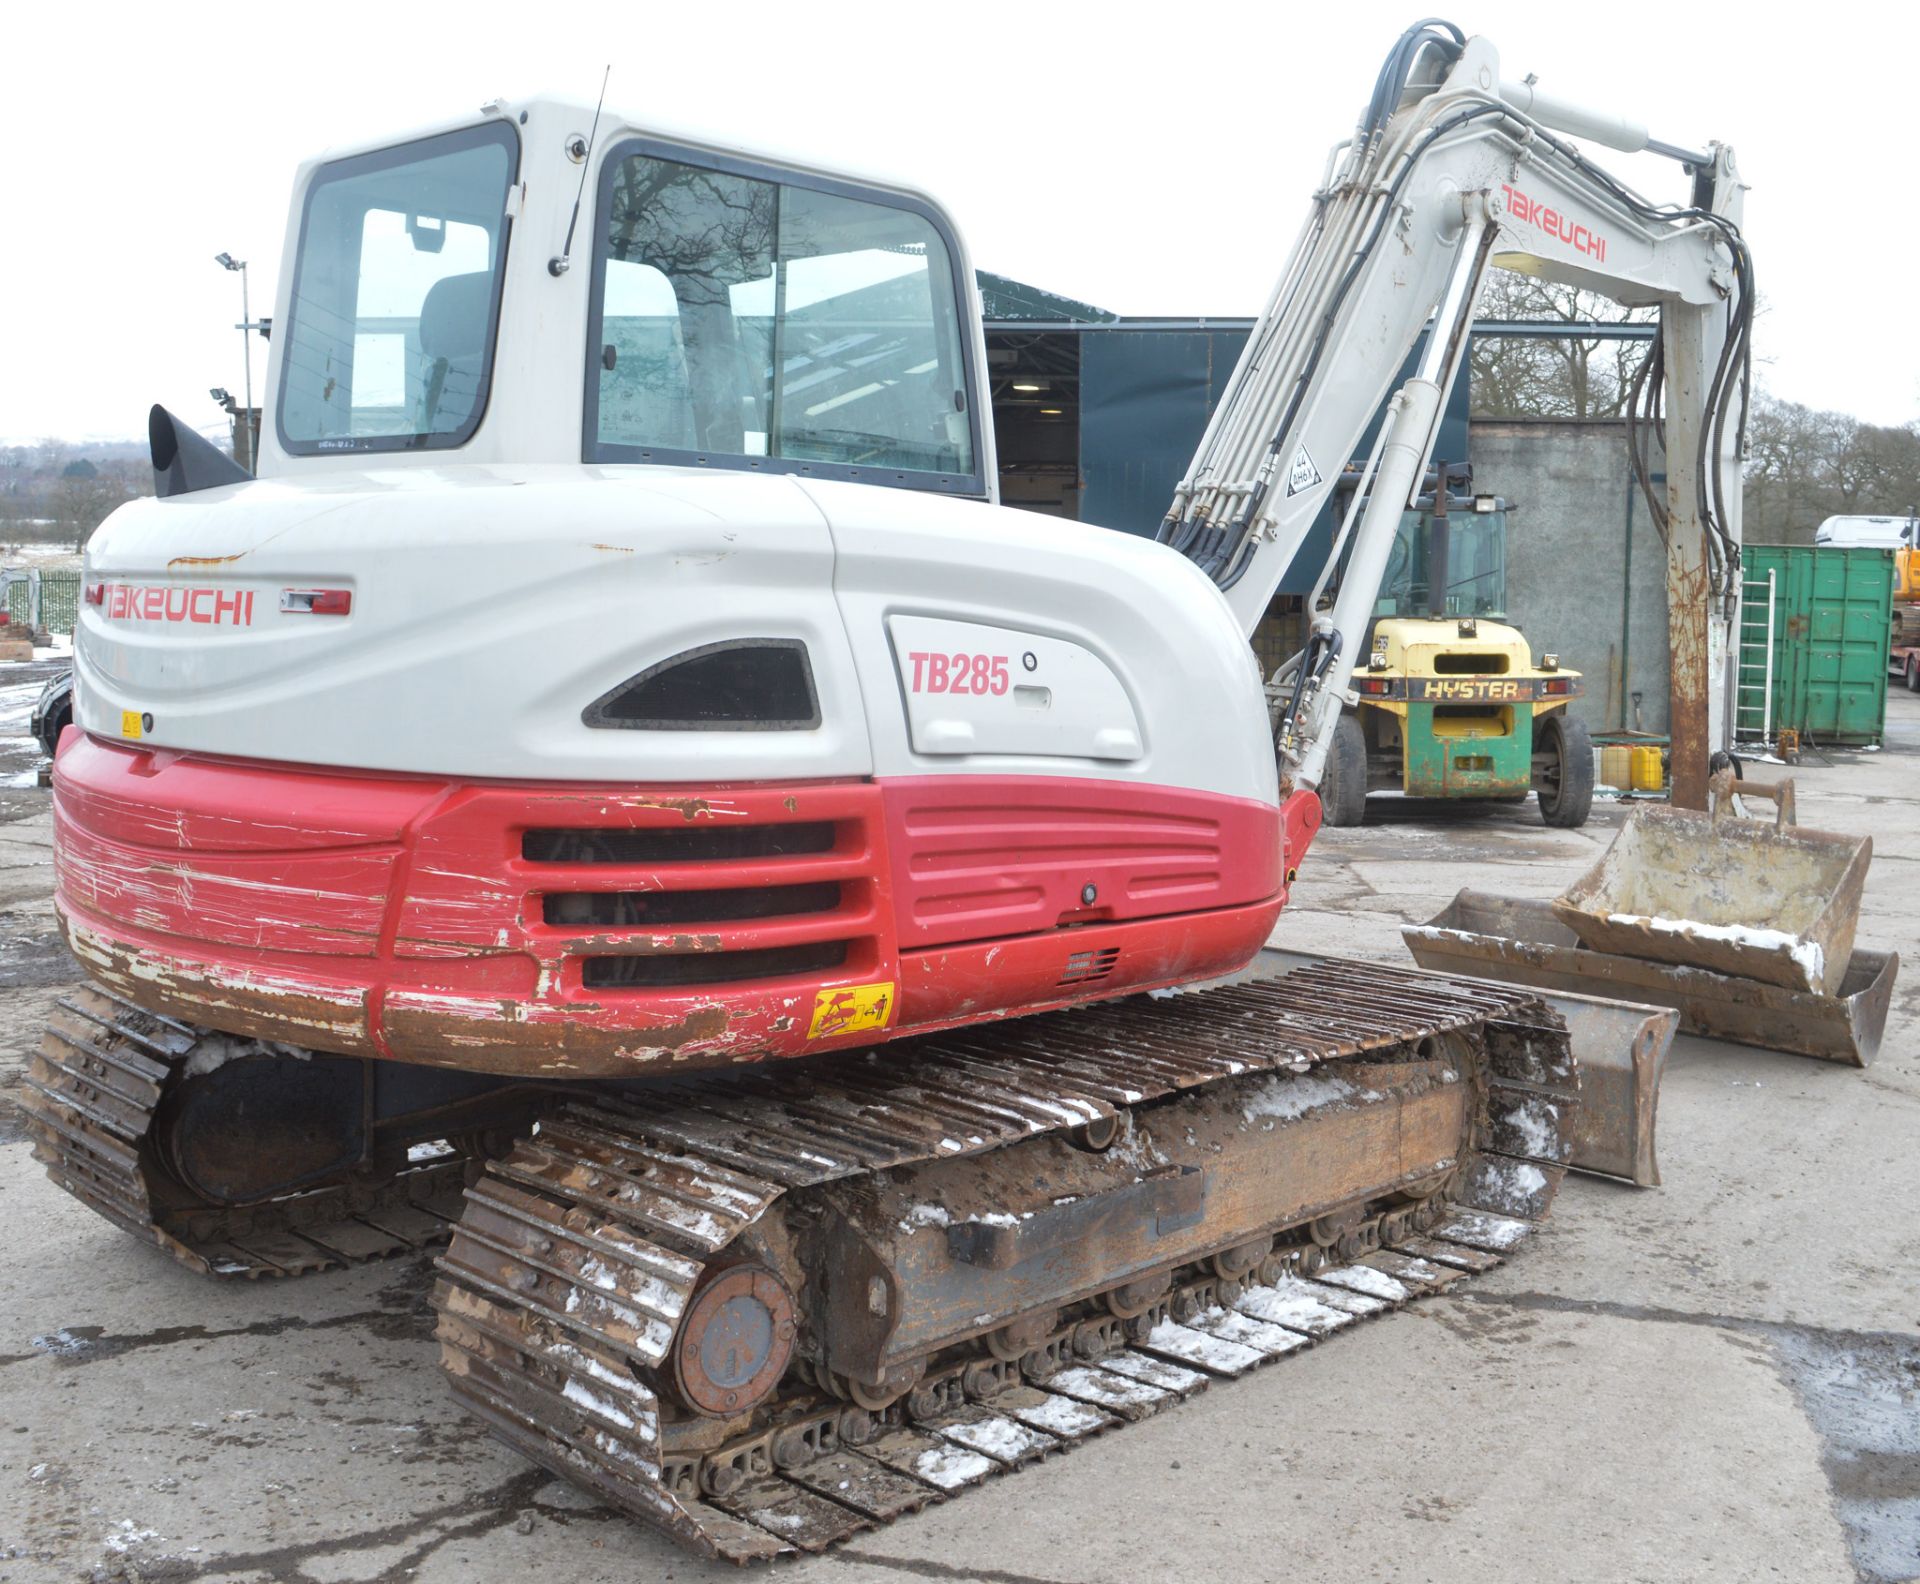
(1832,613)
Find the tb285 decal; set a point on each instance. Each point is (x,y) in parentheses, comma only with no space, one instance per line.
(939,672)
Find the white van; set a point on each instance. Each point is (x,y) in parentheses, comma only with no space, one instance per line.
(1869,533)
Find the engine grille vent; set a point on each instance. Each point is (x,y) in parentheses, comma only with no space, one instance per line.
(701,844)
(654,971)
(747,684)
(651,909)
(1085,966)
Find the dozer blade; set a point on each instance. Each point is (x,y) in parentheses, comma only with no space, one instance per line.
(1621,1050)
(767,1310)
(1771,903)
(1520,941)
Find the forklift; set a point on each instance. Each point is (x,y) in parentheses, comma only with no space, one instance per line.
(1450,703)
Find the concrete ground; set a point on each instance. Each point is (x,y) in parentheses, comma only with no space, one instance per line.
(1717,1379)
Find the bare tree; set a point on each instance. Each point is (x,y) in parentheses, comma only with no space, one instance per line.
(83,499)
(1559,376)
(1804,466)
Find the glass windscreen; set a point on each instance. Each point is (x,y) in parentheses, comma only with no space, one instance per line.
(1476,566)
(745,318)
(396,293)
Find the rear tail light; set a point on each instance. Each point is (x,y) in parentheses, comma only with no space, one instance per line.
(317,602)
(1554,687)
(1373,685)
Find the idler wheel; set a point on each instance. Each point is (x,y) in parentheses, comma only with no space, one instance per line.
(735,1340)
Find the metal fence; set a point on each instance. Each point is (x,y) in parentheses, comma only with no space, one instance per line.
(59,601)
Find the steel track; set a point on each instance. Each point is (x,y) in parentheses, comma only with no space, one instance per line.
(578,1254)
(94,1088)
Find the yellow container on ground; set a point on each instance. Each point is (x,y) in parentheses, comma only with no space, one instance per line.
(1616,765)
(1647,774)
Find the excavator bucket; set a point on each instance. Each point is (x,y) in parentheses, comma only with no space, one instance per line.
(1518,940)
(1768,902)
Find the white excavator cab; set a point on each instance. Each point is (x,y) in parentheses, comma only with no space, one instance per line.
(699,308)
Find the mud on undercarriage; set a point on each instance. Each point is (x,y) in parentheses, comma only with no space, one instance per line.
(764,1310)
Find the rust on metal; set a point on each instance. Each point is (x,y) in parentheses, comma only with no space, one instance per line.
(972,1286)
(94,1089)
(1520,941)
(1776,904)
(1619,1049)
(252,1006)
(734,1341)
(767,1309)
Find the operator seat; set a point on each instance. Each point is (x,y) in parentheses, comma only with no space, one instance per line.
(453,342)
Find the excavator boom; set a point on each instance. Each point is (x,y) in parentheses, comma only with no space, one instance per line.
(1451,170)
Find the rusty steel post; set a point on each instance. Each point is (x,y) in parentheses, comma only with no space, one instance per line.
(1689,598)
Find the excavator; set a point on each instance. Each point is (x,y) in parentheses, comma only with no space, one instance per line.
(618,796)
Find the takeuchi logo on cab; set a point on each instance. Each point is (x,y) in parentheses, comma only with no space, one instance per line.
(173,603)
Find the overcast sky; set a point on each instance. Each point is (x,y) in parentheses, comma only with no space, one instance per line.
(1153,159)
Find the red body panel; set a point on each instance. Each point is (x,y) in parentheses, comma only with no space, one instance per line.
(977,857)
(417,919)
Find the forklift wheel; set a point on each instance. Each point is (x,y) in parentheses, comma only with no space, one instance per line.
(1566,781)
(1913,674)
(1343,788)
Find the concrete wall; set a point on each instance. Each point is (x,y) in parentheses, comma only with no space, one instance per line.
(1578,583)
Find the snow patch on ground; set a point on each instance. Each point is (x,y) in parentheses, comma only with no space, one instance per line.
(123,1537)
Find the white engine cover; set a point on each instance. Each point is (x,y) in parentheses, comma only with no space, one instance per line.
(491,605)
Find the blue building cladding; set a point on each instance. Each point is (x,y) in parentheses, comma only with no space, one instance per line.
(1145,399)
(1121,404)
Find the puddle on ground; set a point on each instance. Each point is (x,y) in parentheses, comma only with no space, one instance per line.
(30,962)
(1862,1393)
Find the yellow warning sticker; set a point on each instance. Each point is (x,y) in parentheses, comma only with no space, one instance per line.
(129,723)
(850,1010)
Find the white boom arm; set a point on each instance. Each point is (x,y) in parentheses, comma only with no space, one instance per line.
(1451,170)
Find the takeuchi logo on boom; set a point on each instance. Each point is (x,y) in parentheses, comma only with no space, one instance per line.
(1531,211)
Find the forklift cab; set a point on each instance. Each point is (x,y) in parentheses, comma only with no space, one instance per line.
(1474,563)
